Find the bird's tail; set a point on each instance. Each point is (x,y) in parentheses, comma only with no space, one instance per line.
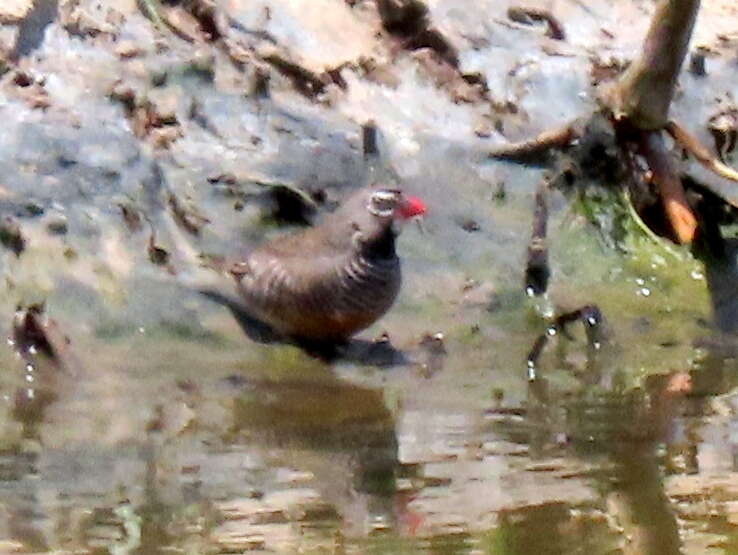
(217,288)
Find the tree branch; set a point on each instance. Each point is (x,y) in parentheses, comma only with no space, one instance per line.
(644,92)
(691,144)
(666,178)
(535,149)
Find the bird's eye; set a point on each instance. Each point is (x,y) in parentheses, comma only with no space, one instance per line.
(383,202)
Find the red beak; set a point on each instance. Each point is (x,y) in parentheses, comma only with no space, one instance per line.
(411,207)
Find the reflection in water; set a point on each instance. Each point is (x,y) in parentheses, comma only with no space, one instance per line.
(340,434)
(623,430)
(547,528)
(321,463)
(638,501)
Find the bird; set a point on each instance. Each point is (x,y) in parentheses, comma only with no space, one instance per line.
(330,281)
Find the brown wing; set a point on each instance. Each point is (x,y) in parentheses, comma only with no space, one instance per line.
(290,277)
(291,288)
(328,239)
(293,263)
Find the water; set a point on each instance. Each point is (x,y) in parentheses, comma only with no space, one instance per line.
(165,438)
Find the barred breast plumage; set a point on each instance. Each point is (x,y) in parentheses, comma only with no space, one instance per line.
(329,282)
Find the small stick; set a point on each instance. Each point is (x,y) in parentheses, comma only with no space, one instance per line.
(537,267)
(152,9)
(537,271)
(535,148)
(526,14)
(692,144)
(369,141)
(591,317)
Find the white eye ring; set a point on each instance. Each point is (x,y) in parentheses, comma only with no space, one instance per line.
(383,203)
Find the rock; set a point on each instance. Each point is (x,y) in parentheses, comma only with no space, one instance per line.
(8,36)
(11,236)
(184,23)
(165,103)
(128,49)
(325,33)
(12,11)
(57,224)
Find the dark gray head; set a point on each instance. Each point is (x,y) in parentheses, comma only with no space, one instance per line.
(373,217)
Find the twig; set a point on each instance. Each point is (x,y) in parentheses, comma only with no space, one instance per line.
(590,316)
(369,139)
(152,9)
(692,144)
(525,15)
(186,217)
(534,149)
(537,271)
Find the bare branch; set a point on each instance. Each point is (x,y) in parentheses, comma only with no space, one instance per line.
(644,92)
(536,148)
(537,271)
(692,144)
(666,178)
(525,14)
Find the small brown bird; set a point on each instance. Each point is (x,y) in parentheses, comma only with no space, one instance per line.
(330,281)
